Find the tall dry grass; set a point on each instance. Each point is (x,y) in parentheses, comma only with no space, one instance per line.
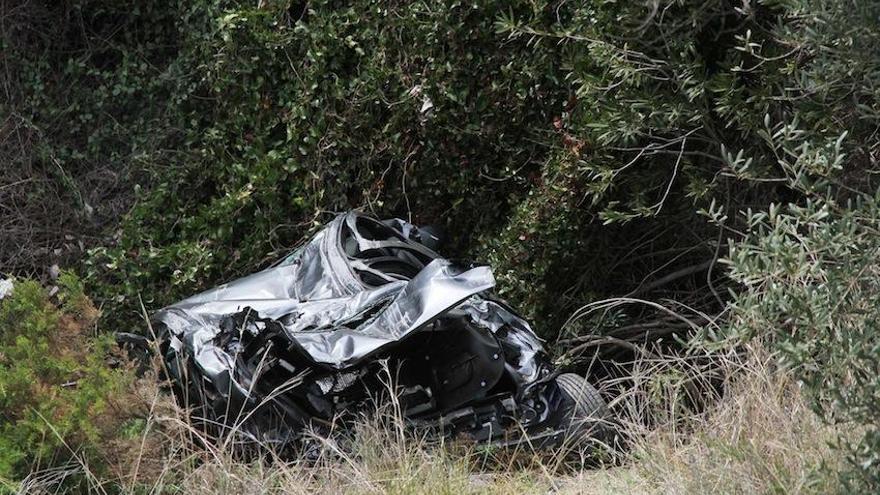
(708,424)
(755,433)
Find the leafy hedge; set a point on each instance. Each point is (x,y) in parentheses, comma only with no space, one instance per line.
(810,275)
(292,113)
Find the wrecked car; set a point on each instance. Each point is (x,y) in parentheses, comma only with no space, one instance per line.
(316,336)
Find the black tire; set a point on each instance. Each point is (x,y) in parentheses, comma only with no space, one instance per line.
(586,414)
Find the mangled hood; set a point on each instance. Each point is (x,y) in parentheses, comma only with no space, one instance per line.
(358,287)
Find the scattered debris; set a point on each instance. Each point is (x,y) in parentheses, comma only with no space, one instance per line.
(5,287)
(427,105)
(317,336)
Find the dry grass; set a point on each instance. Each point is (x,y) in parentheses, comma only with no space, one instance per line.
(757,437)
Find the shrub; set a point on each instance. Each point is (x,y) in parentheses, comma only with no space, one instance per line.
(811,277)
(539,134)
(295,110)
(58,395)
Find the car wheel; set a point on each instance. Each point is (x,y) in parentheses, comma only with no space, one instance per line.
(586,414)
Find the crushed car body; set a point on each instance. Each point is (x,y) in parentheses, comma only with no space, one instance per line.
(316,336)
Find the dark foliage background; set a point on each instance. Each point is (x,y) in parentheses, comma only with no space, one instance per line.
(587,150)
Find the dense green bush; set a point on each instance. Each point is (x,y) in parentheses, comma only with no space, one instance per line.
(684,107)
(811,275)
(293,113)
(539,135)
(56,387)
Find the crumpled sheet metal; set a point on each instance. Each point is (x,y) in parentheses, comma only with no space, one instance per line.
(333,317)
